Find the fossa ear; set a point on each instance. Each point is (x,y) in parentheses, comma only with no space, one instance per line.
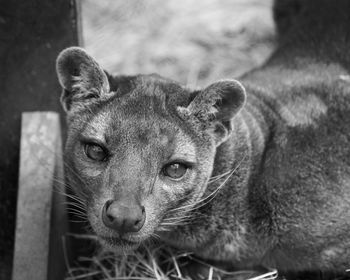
(216,106)
(81,77)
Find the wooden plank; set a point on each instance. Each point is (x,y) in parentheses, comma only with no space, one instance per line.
(40,174)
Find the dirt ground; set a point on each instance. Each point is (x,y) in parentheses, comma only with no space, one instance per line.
(194,42)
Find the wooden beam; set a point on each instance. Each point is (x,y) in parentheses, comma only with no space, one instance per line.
(40,204)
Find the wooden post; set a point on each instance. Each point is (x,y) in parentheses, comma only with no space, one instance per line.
(40,204)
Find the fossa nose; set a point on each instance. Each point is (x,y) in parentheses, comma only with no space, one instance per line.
(123,216)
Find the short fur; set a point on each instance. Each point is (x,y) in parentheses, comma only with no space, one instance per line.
(269,176)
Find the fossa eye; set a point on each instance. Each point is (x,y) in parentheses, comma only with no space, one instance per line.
(175,170)
(95,152)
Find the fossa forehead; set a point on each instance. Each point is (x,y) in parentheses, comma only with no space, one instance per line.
(132,122)
(153,89)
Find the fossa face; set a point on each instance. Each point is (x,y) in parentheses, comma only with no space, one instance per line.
(140,149)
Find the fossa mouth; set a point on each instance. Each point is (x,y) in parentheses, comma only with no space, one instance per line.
(120,242)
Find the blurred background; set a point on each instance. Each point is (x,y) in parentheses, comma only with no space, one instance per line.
(193,42)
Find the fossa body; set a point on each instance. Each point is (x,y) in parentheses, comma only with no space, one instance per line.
(255,172)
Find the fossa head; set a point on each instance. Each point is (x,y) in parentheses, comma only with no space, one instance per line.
(139,148)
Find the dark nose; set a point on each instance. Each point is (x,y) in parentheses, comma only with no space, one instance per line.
(123,217)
